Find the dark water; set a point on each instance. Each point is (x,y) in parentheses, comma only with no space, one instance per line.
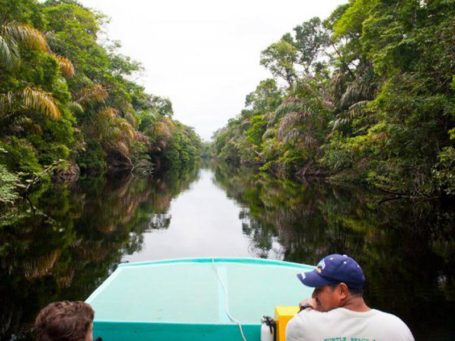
(66,240)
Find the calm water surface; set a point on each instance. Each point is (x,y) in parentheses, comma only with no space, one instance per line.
(203,222)
(66,240)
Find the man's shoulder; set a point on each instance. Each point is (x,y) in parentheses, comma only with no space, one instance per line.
(388,317)
(390,323)
(309,316)
(340,320)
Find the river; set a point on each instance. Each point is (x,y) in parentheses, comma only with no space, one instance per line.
(64,241)
(203,222)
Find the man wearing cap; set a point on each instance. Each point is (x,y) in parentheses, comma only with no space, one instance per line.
(337,310)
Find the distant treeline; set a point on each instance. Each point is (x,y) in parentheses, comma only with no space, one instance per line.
(68,104)
(367,96)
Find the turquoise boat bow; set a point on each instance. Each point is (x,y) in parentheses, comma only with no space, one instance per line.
(194,299)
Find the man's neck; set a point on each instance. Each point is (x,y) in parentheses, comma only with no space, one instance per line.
(356,303)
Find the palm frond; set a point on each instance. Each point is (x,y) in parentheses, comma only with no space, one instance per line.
(131,118)
(269,133)
(9,52)
(357,109)
(163,129)
(108,112)
(126,107)
(29,99)
(362,87)
(41,266)
(291,104)
(6,103)
(76,107)
(355,92)
(290,121)
(27,34)
(309,141)
(127,129)
(65,65)
(338,82)
(339,122)
(122,147)
(345,118)
(291,135)
(42,101)
(92,93)
(66,280)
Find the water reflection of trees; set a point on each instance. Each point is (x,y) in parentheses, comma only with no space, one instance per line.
(66,240)
(407,248)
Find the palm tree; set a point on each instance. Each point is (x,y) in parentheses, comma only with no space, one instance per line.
(65,65)
(11,34)
(30,98)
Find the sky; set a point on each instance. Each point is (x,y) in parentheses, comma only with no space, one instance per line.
(203,54)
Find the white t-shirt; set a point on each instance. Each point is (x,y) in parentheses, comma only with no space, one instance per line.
(341,324)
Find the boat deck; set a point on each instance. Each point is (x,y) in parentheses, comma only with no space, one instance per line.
(196,292)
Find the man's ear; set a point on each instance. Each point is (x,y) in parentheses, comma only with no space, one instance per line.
(343,291)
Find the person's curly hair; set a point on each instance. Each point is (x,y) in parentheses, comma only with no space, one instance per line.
(64,321)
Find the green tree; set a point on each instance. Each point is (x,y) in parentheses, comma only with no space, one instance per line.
(280,59)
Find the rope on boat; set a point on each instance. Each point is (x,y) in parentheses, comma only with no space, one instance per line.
(232,318)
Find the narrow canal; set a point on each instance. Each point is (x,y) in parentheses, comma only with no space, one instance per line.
(64,241)
(202,222)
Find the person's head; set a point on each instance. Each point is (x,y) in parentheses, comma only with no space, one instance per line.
(336,279)
(65,321)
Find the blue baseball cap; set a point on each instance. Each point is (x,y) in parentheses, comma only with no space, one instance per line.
(334,269)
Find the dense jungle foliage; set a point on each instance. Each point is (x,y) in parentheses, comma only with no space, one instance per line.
(366,96)
(68,104)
